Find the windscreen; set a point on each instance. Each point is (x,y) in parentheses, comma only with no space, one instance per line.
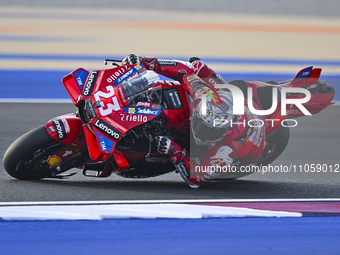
(141,92)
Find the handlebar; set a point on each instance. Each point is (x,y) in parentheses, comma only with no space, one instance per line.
(113,62)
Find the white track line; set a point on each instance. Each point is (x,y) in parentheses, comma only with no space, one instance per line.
(179,201)
(128,211)
(142,209)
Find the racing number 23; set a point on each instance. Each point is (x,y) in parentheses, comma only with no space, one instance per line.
(110,107)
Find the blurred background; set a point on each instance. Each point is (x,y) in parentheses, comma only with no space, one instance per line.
(42,41)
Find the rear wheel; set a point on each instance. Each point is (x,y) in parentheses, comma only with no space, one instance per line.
(276,144)
(26,158)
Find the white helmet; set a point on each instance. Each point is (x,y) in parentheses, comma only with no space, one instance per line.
(212,120)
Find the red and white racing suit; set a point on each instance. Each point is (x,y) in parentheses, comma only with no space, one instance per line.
(224,153)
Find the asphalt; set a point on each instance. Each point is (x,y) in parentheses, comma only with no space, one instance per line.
(314,141)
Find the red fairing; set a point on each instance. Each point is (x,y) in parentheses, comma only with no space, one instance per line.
(65,128)
(74,82)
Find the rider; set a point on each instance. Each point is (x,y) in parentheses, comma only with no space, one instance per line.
(225,139)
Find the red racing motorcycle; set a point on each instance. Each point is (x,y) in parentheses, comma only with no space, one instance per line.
(121,110)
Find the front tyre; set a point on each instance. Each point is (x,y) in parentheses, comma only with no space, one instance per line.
(26,157)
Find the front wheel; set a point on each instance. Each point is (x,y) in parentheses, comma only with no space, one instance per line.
(26,157)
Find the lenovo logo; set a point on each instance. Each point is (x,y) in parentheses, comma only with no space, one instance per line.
(91,80)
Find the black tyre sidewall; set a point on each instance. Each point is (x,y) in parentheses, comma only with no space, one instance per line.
(280,138)
(23,147)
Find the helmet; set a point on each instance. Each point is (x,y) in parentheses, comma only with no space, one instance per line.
(212,125)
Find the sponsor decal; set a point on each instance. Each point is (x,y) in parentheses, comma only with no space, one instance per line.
(66,125)
(91,80)
(105,143)
(183,169)
(292,111)
(89,108)
(303,74)
(197,66)
(107,129)
(50,129)
(117,73)
(53,160)
(249,129)
(59,128)
(143,111)
(145,104)
(260,139)
(121,93)
(179,101)
(133,117)
(121,75)
(148,111)
(190,78)
(80,77)
(99,80)
(219,79)
(76,141)
(116,125)
(66,154)
(173,99)
(167,63)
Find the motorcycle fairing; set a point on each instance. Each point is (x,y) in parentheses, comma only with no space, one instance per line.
(303,74)
(110,119)
(93,147)
(74,82)
(80,76)
(65,128)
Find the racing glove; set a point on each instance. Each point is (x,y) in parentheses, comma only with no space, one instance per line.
(131,59)
(180,160)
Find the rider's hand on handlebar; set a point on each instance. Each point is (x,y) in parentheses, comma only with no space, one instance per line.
(131,59)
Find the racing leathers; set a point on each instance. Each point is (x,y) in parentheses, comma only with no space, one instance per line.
(220,155)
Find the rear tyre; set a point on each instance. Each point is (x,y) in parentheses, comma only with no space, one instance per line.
(276,144)
(26,157)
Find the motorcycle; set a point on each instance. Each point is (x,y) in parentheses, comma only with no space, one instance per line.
(119,112)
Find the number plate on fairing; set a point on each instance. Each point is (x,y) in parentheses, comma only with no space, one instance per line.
(112,119)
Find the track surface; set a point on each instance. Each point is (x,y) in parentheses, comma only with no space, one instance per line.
(314,140)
